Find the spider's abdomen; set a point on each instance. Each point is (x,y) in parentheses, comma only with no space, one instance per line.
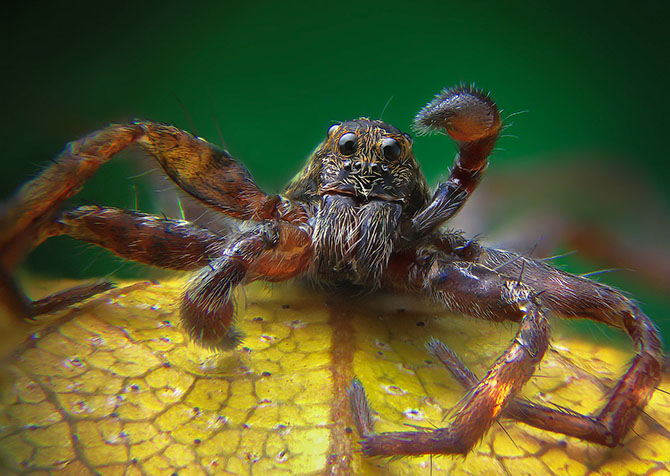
(353,241)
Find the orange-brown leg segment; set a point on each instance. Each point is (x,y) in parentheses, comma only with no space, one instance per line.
(607,428)
(470,287)
(140,237)
(485,294)
(148,239)
(21,307)
(577,297)
(272,251)
(208,173)
(205,171)
(471,118)
(26,219)
(212,175)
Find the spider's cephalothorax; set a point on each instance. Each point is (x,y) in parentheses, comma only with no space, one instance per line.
(359,213)
(362,181)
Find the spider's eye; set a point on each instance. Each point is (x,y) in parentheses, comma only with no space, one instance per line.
(332,129)
(347,143)
(390,148)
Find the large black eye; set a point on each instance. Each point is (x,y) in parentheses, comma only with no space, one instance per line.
(332,129)
(391,149)
(347,143)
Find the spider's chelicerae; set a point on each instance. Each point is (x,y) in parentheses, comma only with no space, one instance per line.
(361,215)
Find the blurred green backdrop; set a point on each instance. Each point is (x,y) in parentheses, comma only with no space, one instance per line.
(589,76)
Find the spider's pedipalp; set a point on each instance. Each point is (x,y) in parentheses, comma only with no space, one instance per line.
(472,119)
(466,113)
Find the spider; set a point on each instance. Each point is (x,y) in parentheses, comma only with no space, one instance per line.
(360,215)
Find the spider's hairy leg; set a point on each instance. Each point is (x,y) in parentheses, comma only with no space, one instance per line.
(205,171)
(573,296)
(211,174)
(480,291)
(472,119)
(272,251)
(26,218)
(173,244)
(22,308)
(554,419)
(148,239)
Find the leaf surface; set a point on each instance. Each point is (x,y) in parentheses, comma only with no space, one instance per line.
(114,387)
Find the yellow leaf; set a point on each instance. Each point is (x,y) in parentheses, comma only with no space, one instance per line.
(114,386)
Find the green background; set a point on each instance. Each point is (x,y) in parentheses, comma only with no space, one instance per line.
(590,76)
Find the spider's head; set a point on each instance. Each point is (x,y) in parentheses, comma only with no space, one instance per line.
(366,160)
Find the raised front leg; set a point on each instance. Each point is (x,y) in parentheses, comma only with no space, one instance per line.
(482,292)
(471,118)
(212,175)
(26,219)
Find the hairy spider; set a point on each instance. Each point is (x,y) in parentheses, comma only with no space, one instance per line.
(360,215)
